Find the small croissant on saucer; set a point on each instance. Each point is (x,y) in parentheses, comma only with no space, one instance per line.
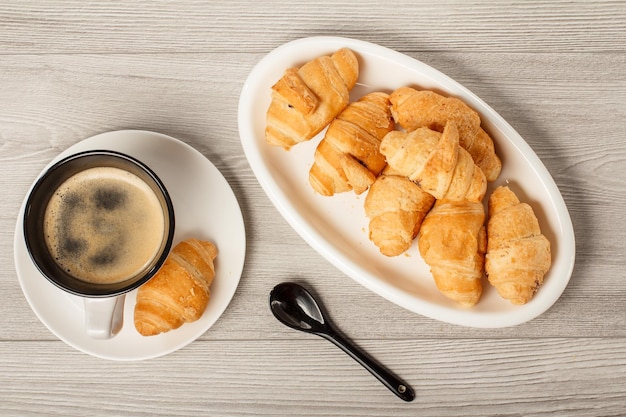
(180,292)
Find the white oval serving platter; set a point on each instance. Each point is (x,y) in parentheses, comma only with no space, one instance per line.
(337,227)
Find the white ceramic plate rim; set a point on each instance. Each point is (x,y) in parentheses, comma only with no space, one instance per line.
(205,207)
(397,70)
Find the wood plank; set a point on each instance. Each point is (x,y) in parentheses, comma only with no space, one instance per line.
(188,26)
(555,377)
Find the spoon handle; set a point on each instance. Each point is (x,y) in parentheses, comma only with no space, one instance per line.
(391,381)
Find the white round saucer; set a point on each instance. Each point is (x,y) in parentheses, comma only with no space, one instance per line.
(205,207)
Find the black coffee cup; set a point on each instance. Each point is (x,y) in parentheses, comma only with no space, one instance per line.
(34,228)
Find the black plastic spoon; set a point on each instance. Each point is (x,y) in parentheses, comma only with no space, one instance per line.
(295,307)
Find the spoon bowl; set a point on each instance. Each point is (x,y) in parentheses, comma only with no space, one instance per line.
(295,307)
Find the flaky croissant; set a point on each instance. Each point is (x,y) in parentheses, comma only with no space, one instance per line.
(413,108)
(452,242)
(306,99)
(348,157)
(518,255)
(396,207)
(436,162)
(179,293)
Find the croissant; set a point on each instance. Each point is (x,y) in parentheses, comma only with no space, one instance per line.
(452,242)
(435,162)
(396,207)
(179,293)
(423,108)
(348,157)
(518,255)
(305,100)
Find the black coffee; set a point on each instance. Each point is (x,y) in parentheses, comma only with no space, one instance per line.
(104,225)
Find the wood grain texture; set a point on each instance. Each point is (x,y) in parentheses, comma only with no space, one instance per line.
(513,377)
(182,26)
(555,70)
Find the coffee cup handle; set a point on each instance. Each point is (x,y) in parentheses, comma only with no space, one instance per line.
(104,317)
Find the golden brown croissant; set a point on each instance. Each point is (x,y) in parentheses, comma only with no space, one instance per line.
(423,108)
(518,255)
(305,100)
(349,157)
(452,242)
(436,162)
(179,292)
(395,207)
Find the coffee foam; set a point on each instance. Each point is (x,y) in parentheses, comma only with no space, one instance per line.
(104,225)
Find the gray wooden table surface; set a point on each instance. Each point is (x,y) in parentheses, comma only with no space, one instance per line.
(555,70)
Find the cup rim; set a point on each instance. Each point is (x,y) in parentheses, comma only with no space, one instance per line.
(83,288)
